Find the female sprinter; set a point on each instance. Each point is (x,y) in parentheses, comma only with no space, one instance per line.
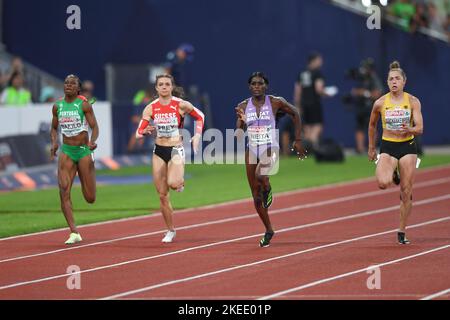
(74,114)
(167,113)
(401,117)
(256,115)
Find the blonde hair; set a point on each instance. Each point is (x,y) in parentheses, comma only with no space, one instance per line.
(395,66)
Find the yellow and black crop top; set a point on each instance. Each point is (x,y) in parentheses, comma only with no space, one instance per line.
(394,115)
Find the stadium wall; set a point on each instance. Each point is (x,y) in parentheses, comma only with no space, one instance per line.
(232,39)
(36,120)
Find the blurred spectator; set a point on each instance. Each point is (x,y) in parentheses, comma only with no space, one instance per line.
(87,89)
(405,11)
(15,94)
(140,100)
(17,66)
(4,66)
(368,88)
(447,26)
(436,20)
(178,65)
(420,18)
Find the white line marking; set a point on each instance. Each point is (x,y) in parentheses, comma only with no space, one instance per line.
(168,283)
(436,295)
(247,216)
(340,276)
(17,284)
(285,193)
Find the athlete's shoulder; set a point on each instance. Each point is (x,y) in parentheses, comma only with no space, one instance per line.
(277,99)
(176,99)
(82,98)
(59,103)
(59,100)
(380,101)
(413,99)
(152,103)
(243,103)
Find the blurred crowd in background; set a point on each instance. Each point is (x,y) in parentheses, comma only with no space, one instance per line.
(18,85)
(411,15)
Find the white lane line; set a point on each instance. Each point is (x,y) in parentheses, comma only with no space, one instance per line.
(436,295)
(168,283)
(233,202)
(362,214)
(340,276)
(246,216)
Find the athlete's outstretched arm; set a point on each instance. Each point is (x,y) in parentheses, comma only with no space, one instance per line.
(54,133)
(372,131)
(92,121)
(144,128)
(288,108)
(187,108)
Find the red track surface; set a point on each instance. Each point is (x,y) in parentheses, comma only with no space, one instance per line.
(325,240)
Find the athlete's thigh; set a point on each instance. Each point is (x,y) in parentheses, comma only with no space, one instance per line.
(267,163)
(86,173)
(385,167)
(175,171)
(407,167)
(159,169)
(250,168)
(66,170)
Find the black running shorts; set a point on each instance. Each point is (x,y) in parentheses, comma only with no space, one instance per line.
(166,153)
(398,149)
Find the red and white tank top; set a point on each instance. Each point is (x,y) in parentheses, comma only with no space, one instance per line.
(167,118)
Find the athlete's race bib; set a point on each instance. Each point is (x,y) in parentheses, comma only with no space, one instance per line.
(259,135)
(71,126)
(396,118)
(167,127)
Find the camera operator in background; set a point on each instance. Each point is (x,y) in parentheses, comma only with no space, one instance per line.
(368,89)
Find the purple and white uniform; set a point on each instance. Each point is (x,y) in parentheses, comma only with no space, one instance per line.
(261,131)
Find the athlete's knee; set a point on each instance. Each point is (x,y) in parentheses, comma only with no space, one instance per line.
(257,200)
(90,198)
(406,193)
(175,183)
(262,178)
(383,183)
(164,198)
(64,189)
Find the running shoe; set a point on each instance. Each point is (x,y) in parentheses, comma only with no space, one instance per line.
(402,238)
(265,240)
(396,176)
(267,198)
(169,236)
(74,238)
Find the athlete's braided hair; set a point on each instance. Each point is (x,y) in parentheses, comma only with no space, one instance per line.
(260,75)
